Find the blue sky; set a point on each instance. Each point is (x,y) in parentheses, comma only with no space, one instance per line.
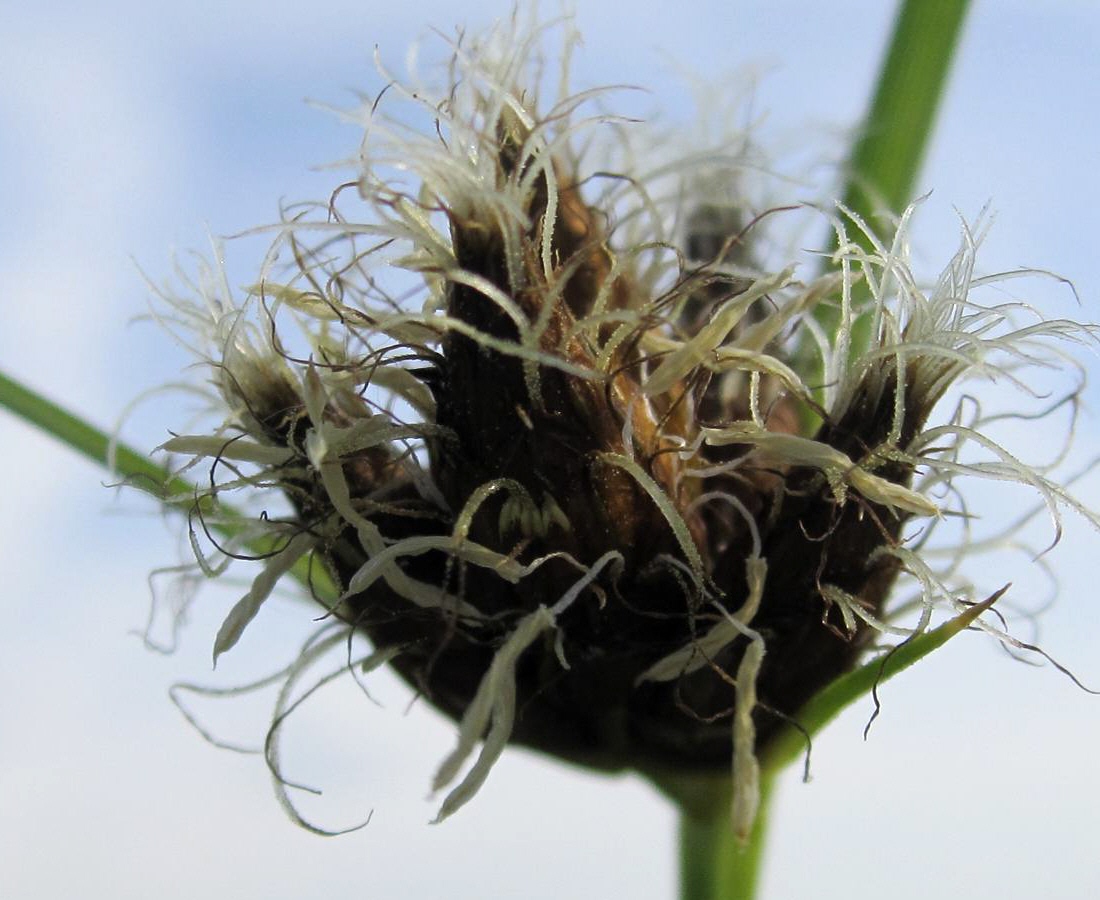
(134,130)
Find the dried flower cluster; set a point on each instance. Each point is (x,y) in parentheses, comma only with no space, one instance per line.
(589,475)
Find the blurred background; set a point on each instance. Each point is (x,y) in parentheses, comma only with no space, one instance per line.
(132,131)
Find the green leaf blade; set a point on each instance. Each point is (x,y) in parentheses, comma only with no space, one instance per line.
(841,693)
(139,471)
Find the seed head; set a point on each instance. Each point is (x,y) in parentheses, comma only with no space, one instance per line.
(589,472)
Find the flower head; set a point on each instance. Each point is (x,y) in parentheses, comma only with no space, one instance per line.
(589,471)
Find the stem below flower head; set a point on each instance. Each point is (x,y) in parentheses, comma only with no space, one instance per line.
(714,865)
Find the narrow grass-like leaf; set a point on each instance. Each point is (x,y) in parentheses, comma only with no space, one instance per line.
(790,744)
(141,472)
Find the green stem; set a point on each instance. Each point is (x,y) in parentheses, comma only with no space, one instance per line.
(887,156)
(139,471)
(883,166)
(714,865)
(898,127)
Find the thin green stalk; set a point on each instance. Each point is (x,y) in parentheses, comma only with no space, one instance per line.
(140,472)
(899,125)
(714,865)
(890,145)
(883,166)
